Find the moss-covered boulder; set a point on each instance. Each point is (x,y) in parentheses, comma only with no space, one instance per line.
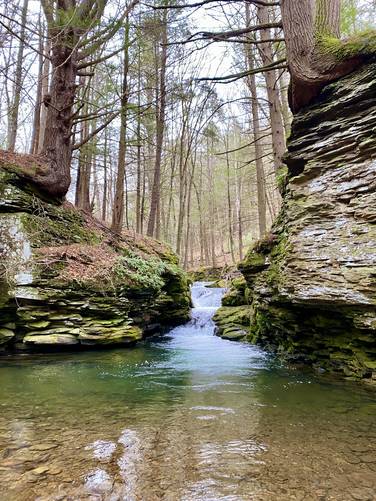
(237,293)
(233,322)
(67,280)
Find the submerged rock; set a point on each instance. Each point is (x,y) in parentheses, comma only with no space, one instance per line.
(67,280)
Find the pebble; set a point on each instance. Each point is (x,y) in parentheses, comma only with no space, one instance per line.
(40,470)
(43,447)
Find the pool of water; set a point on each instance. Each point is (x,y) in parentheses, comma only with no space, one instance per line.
(182,417)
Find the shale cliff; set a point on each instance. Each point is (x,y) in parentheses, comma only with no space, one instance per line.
(311,284)
(68,281)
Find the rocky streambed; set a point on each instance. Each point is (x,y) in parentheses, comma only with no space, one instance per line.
(186,416)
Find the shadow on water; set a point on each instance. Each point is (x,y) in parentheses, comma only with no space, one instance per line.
(184,416)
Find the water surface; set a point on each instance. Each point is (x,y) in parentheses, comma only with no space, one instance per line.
(182,417)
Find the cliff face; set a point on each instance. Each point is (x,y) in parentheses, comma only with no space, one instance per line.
(312,281)
(66,280)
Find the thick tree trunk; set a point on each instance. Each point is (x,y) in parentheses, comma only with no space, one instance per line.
(305,23)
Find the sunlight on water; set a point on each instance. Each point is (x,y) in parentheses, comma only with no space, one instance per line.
(182,417)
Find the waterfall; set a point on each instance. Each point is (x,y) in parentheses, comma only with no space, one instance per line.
(205,301)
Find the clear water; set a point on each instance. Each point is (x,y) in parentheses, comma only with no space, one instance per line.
(183,417)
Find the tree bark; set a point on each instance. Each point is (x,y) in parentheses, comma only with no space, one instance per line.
(84,160)
(105,181)
(305,23)
(45,92)
(38,98)
(260,176)
(271,79)
(229,205)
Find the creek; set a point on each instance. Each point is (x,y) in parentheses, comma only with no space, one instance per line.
(184,416)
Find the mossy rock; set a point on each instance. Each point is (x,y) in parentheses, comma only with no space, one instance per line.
(253,262)
(50,339)
(233,322)
(116,336)
(233,333)
(6,335)
(80,283)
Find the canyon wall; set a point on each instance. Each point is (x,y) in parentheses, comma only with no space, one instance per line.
(311,283)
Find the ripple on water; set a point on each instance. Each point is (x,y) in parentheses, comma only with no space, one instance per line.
(187,417)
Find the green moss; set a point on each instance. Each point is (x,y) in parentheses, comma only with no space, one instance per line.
(274,275)
(233,322)
(13,167)
(360,44)
(152,274)
(281,178)
(61,227)
(253,261)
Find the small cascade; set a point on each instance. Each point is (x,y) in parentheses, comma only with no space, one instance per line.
(205,301)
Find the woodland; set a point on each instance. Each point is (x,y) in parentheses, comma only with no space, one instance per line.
(187,250)
(168,119)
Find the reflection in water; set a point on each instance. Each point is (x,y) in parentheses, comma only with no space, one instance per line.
(183,417)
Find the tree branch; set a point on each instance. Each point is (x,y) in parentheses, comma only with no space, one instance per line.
(262,3)
(235,76)
(96,131)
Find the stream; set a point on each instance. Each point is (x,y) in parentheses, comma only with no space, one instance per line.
(185,416)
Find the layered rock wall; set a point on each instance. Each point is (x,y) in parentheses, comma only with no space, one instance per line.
(67,281)
(313,279)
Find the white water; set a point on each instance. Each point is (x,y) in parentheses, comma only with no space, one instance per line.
(205,303)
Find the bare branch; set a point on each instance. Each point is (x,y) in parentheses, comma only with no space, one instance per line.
(262,3)
(96,131)
(235,76)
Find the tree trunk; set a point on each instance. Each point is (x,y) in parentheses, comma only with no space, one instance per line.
(84,161)
(229,206)
(45,91)
(56,177)
(138,133)
(239,213)
(38,98)
(105,188)
(260,176)
(118,209)
(160,121)
(276,122)
(305,23)
(14,110)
